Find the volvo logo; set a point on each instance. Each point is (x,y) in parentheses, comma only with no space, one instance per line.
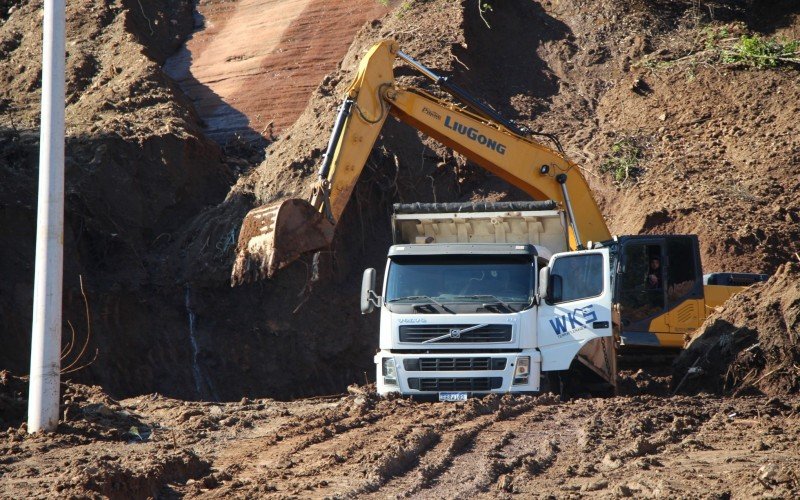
(455,333)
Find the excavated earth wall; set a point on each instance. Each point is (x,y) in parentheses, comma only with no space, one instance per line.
(250,65)
(153,205)
(137,166)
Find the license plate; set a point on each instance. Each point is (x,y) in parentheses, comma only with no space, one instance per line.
(452,396)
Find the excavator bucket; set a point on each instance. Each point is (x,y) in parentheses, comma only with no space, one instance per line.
(272,236)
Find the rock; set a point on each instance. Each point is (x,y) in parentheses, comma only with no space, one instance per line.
(642,447)
(622,491)
(767,473)
(227,422)
(183,417)
(609,463)
(505,483)
(595,485)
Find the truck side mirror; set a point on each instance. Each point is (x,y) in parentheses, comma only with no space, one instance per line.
(368,297)
(544,280)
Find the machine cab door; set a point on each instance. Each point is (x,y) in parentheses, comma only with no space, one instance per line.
(658,289)
(575,312)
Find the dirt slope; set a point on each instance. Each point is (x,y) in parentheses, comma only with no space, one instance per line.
(752,344)
(363,446)
(137,166)
(251,64)
(569,69)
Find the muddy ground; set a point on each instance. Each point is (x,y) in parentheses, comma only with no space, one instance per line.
(360,445)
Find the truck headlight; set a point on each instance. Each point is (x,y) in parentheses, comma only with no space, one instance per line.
(389,371)
(522,370)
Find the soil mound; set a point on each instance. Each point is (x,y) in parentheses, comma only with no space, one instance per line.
(137,167)
(753,344)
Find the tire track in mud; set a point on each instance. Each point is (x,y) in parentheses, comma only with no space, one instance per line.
(482,447)
(365,444)
(497,454)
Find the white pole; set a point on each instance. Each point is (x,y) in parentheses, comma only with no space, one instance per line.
(45,373)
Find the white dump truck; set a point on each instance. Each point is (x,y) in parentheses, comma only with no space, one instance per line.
(481,298)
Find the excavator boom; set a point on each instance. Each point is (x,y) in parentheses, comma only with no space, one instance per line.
(273,236)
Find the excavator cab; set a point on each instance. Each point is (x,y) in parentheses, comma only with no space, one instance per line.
(659,289)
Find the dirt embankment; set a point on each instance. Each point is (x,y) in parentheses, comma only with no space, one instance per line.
(251,64)
(753,344)
(563,69)
(361,445)
(137,167)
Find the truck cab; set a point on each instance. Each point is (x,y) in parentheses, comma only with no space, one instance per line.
(460,319)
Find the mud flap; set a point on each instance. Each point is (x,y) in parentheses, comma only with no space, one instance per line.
(273,236)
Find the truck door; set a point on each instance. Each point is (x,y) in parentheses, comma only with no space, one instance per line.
(577,313)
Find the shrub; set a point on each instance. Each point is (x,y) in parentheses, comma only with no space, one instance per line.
(624,161)
(760,52)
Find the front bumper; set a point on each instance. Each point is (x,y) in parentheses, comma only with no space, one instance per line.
(473,373)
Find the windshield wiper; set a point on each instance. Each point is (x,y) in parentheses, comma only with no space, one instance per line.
(496,300)
(424,297)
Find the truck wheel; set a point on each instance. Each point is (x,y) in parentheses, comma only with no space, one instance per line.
(559,383)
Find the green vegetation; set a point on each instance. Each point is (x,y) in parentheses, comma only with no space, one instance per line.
(730,44)
(624,161)
(713,36)
(403,8)
(761,52)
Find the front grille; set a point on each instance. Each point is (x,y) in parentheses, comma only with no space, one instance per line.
(455,384)
(453,364)
(488,333)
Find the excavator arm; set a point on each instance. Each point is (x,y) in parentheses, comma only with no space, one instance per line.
(274,235)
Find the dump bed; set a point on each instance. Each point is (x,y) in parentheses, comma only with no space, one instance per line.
(538,223)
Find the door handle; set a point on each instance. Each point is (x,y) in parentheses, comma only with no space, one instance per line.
(600,324)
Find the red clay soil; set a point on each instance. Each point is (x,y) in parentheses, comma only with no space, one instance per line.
(251,65)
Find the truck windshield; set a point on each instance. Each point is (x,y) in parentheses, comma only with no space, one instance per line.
(506,279)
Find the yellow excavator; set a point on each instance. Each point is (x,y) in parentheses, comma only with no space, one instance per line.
(660,293)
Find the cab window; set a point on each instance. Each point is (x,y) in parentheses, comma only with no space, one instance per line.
(578,276)
(641,286)
(682,275)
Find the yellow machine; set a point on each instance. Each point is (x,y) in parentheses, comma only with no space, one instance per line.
(660,292)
